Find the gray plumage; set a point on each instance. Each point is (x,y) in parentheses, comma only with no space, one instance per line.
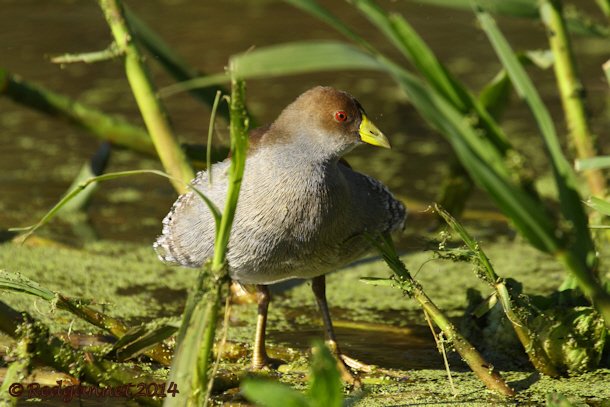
(301,212)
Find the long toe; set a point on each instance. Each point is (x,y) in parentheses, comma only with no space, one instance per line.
(347,375)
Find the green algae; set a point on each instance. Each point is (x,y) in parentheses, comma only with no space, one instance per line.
(377,325)
(122,279)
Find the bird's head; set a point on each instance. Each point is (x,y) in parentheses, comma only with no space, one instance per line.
(328,121)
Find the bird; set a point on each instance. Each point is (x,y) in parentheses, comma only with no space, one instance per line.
(302,211)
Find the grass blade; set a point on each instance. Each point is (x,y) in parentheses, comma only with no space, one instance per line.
(511,8)
(594,162)
(190,366)
(527,214)
(140,340)
(19,283)
(29,230)
(565,178)
(599,205)
(286,59)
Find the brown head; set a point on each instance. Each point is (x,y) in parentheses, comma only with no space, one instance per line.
(325,120)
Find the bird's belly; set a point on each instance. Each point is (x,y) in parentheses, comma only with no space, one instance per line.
(296,229)
(295,259)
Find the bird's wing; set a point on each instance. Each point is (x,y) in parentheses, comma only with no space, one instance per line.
(379,209)
(188,229)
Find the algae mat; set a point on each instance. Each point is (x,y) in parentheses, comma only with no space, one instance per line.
(374,324)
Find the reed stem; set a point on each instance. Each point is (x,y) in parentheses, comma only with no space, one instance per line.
(484,370)
(172,157)
(105,127)
(572,92)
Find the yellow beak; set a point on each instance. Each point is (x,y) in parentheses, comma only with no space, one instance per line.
(369,133)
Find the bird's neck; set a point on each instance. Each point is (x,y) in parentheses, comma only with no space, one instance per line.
(304,156)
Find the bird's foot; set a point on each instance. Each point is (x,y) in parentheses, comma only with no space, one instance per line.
(347,375)
(356,364)
(344,369)
(265,361)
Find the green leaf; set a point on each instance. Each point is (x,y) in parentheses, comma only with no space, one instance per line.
(604,6)
(543,59)
(325,387)
(494,97)
(496,94)
(19,283)
(526,213)
(577,21)
(599,205)
(414,48)
(267,393)
(565,179)
(137,340)
(301,57)
(511,8)
(286,59)
(593,163)
(377,281)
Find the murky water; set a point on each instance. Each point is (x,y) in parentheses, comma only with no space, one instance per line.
(39,156)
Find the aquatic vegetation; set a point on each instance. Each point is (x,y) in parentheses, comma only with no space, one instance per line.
(484,155)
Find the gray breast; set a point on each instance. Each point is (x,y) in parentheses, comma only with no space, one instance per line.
(293,220)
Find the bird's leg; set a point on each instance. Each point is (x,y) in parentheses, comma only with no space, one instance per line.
(318,285)
(259,355)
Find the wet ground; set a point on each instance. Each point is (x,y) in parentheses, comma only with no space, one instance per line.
(39,157)
(376,325)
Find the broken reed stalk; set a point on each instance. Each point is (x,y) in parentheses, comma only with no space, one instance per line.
(105,127)
(515,314)
(172,157)
(113,326)
(159,352)
(54,352)
(92,168)
(571,92)
(484,371)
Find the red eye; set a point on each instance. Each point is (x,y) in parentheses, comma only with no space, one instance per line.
(340,116)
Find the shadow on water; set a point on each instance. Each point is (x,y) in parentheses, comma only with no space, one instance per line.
(413,348)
